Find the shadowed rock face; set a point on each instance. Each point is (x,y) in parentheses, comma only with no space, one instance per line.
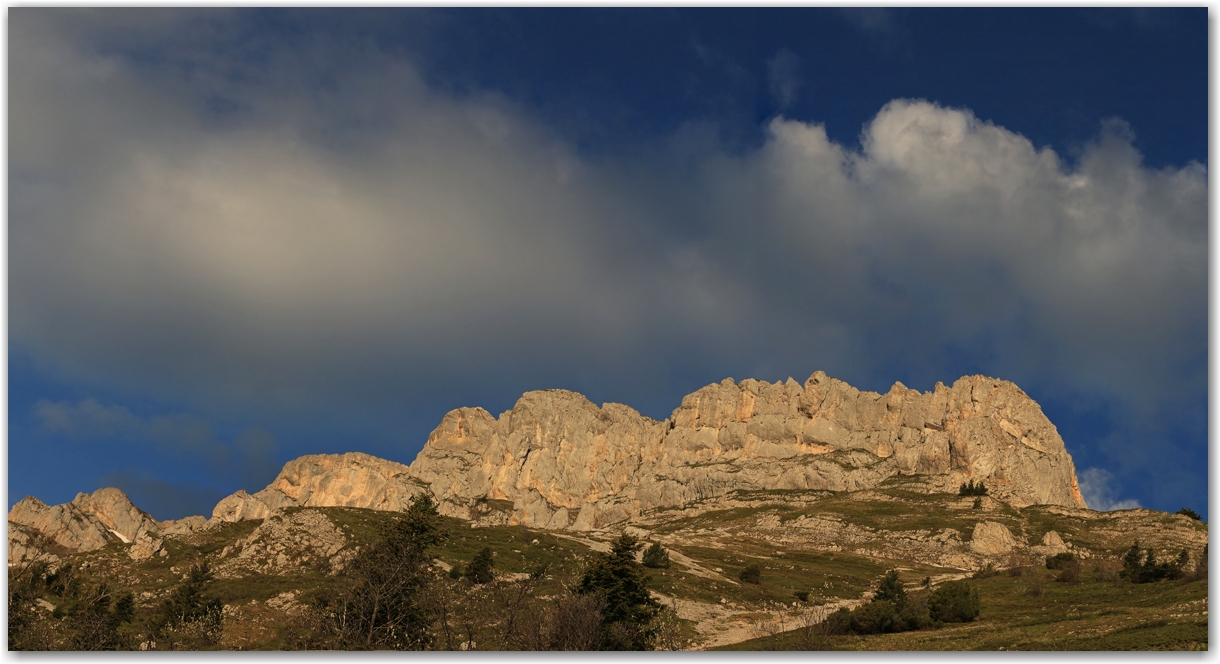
(565,463)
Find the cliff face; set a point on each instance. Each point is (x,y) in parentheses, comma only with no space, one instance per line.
(565,463)
(354,479)
(557,461)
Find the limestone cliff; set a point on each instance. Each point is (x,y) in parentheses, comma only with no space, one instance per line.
(326,480)
(565,463)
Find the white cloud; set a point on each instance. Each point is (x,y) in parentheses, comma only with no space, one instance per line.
(1097,487)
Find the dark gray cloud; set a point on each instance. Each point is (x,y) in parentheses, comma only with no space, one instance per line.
(250,458)
(345,237)
(163,500)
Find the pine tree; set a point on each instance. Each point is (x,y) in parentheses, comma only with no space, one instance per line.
(656,557)
(629,609)
(479,569)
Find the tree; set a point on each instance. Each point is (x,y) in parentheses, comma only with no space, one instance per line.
(382,606)
(628,609)
(891,590)
(752,573)
(1186,511)
(656,557)
(479,569)
(1149,569)
(93,625)
(954,601)
(187,619)
(971,489)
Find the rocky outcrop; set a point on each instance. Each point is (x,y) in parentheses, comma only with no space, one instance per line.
(991,539)
(565,463)
(286,543)
(66,525)
(183,526)
(112,507)
(354,479)
(240,506)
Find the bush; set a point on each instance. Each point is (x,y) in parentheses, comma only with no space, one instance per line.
(1060,561)
(802,595)
(479,569)
(751,574)
(656,557)
(972,489)
(890,590)
(381,604)
(1186,511)
(985,573)
(978,504)
(954,601)
(1150,570)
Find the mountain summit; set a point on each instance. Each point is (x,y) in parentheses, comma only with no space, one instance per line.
(557,461)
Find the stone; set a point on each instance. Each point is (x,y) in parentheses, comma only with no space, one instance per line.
(66,525)
(557,461)
(183,526)
(145,546)
(565,463)
(286,543)
(112,507)
(240,506)
(991,539)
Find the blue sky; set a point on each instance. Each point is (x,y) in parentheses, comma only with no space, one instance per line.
(240,236)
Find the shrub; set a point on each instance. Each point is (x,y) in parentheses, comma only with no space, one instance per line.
(890,590)
(455,572)
(479,569)
(978,504)
(1069,573)
(752,573)
(972,489)
(1150,570)
(381,605)
(985,573)
(1186,511)
(1060,561)
(656,557)
(802,595)
(954,601)
(1035,586)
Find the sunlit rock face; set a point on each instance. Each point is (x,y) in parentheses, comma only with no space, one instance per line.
(354,479)
(563,462)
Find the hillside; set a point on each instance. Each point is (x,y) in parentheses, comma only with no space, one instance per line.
(822,487)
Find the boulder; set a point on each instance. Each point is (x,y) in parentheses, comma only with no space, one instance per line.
(991,539)
(240,506)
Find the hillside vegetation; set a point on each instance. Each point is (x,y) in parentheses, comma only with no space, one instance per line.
(767,570)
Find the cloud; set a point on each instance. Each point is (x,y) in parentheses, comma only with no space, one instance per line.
(1096,485)
(783,77)
(348,241)
(249,458)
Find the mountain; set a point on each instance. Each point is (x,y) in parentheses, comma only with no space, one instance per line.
(566,464)
(822,486)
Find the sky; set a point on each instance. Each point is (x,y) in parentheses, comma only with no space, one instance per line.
(238,236)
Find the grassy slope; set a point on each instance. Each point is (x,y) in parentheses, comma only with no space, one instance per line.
(1092,614)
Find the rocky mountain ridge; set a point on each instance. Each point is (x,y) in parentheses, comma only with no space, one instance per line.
(556,461)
